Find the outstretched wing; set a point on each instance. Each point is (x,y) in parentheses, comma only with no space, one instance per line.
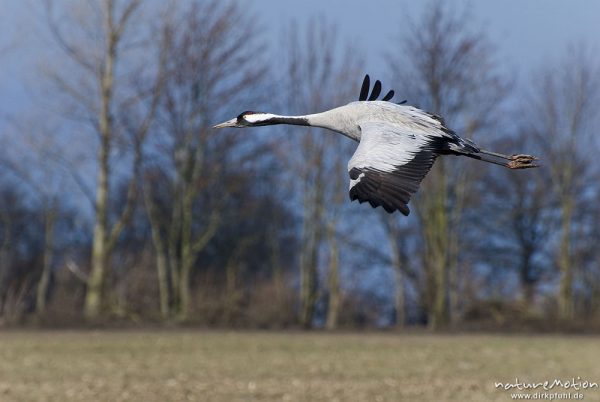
(389,164)
(364,91)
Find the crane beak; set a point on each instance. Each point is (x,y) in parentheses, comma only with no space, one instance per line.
(229,123)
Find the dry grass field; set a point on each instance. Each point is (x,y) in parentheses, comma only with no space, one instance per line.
(255,366)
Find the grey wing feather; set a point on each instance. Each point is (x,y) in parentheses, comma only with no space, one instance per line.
(389,164)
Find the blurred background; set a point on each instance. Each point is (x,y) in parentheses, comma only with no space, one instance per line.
(145,256)
(120,205)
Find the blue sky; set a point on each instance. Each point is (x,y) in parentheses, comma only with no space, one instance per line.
(525,32)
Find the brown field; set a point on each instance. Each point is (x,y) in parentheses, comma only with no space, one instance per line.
(255,366)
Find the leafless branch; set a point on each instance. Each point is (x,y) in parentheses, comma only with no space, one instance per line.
(75,270)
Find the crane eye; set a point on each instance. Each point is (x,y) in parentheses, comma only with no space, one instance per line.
(246,113)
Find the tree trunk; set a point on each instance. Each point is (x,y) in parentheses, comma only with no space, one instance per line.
(184,288)
(162,259)
(333,306)
(95,285)
(231,294)
(5,262)
(174,253)
(276,266)
(308,282)
(435,222)
(453,239)
(44,282)
(191,246)
(94,294)
(525,271)
(309,258)
(164,295)
(528,290)
(187,256)
(399,297)
(565,300)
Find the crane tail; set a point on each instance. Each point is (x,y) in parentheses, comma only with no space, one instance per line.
(517,161)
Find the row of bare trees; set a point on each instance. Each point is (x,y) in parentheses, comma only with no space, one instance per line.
(119,201)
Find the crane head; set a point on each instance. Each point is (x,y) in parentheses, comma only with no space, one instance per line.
(248,119)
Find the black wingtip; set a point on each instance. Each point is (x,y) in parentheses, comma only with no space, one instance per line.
(376,91)
(389,95)
(364,90)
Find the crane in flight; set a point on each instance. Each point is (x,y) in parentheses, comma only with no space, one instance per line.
(397,145)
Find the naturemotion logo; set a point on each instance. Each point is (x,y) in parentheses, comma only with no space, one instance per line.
(556,389)
(547,385)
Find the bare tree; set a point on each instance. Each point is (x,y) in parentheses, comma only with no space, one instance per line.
(335,198)
(447,70)
(211,67)
(399,231)
(22,245)
(515,215)
(320,77)
(563,118)
(49,210)
(31,162)
(114,78)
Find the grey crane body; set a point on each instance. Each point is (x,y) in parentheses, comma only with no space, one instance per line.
(348,118)
(398,144)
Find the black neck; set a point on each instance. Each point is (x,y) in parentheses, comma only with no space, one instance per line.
(297,121)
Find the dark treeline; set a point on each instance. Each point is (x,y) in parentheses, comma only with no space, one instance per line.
(120,203)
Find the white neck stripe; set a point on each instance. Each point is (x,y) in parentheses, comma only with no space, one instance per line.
(257,117)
